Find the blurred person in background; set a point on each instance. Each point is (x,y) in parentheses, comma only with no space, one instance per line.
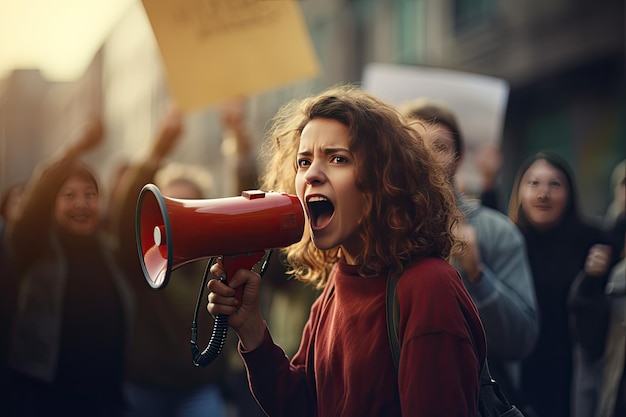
(11,199)
(238,146)
(489,162)
(161,378)
(597,303)
(9,211)
(494,266)
(544,205)
(618,190)
(67,347)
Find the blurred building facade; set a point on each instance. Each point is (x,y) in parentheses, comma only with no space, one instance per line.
(564,61)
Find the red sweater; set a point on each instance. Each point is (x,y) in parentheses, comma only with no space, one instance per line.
(344,365)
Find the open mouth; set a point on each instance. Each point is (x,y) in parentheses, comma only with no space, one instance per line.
(321,210)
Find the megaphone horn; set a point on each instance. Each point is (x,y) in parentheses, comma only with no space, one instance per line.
(171,232)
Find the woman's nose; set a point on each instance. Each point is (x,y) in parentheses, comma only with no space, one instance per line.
(314,174)
(543,192)
(80,201)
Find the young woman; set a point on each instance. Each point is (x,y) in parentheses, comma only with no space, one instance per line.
(377,203)
(544,204)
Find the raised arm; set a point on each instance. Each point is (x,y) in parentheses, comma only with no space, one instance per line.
(124,197)
(588,305)
(28,233)
(238,145)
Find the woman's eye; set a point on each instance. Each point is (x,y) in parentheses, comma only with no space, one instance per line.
(301,163)
(338,159)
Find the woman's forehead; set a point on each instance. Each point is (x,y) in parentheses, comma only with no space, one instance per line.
(79,181)
(541,166)
(324,134)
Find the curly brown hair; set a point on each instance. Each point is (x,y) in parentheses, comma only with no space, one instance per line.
(410,208)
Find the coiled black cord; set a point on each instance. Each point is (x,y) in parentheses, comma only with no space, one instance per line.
(220,326)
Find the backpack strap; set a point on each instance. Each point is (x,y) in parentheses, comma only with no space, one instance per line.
(491,402)
(393,324)
(393,317)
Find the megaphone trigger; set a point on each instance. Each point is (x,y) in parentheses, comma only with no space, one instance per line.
(233,263)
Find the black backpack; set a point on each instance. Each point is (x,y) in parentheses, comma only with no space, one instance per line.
(491,401)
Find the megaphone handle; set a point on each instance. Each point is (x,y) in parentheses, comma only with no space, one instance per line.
(233,263)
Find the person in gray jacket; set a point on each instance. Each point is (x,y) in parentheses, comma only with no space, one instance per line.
(494,267)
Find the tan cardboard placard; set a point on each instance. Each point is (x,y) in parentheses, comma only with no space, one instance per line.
(216,50)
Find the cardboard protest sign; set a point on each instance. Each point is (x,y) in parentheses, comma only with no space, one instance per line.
(216,50)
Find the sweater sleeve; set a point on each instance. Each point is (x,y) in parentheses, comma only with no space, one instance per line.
(282,388)
(505,294)
(438,376)
(442,344)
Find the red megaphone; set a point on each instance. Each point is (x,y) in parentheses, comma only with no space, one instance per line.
(172,232)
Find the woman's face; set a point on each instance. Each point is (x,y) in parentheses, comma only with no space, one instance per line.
(543,194)
(76,209)
(325,184)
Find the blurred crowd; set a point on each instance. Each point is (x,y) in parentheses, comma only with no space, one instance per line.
(83,334)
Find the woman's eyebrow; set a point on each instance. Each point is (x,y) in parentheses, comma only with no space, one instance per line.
(326,151)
